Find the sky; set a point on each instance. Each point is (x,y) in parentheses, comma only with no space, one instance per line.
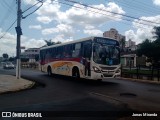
(66,20)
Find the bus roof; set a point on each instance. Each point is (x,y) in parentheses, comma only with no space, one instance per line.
(73,41)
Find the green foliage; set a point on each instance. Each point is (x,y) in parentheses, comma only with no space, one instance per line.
(11,59)
(157,33)
(5,55)
(145,48)
(122,44)
(49,42)
(151,49)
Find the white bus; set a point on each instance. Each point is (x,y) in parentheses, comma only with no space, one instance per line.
(91,58)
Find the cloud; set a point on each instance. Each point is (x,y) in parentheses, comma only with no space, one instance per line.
(84,20)
(61,38)
(143,30)
(48,12)
(44,19)
(156,2)
(64,29)
(93,32)
(79,14)
(30,2)
(33,43)
(90,30)
(49,8)
(37,27)
(9,41)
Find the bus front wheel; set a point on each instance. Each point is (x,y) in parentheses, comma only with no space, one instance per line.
(75,73)
(49,71)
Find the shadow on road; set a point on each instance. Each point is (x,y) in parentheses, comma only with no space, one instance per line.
(82,81)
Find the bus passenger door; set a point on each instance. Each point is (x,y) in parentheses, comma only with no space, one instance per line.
(87,51)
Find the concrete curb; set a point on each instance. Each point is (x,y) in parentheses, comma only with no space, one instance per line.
(9,83)
(140,80)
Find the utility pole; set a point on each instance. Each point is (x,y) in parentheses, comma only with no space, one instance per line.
(19,33)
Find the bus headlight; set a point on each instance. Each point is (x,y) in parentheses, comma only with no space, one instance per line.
(96,69)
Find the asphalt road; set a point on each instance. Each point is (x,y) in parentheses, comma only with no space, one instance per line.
(59,93)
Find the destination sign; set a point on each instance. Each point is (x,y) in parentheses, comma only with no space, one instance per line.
(106,41)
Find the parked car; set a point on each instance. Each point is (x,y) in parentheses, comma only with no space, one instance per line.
(8,65)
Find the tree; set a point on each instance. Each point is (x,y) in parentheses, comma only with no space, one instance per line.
(156,43)
(49,42)
(157,33)
(5,55)
(146,48)
(11,59)
(122,44)
(151,49)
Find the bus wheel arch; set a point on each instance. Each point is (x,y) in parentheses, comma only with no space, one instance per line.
(49,71)
(75,72)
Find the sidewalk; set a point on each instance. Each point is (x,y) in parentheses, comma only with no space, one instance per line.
(9,83)
(140,80)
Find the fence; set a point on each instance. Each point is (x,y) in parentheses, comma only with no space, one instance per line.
(29,65)
(141,72)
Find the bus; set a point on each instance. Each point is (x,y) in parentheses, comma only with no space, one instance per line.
(93,58)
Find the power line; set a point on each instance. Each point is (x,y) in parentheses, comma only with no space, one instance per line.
(7,13)
(111,17)
(144,4)
(8,29)
(9,6)
(112,12)
(39,1)
(140,7)
(135,9)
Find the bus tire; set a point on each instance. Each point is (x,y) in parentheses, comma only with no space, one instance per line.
(75,73)
(49,71)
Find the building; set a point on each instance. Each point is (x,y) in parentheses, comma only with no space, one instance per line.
(132,48)
(113,33)
(129,60)
(129,57)
(130,43)
(32,54)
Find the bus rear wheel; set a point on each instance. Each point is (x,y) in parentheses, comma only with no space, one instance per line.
(75,73)
(49,71)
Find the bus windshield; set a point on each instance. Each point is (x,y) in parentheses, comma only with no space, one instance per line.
(106,54)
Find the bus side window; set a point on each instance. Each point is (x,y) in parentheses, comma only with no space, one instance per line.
(87,49)
(58,52)
(67,51)
(76,50)
(42,55)
(48,54)
(53,52)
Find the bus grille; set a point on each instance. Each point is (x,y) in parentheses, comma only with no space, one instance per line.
(108,68)
(107,75)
